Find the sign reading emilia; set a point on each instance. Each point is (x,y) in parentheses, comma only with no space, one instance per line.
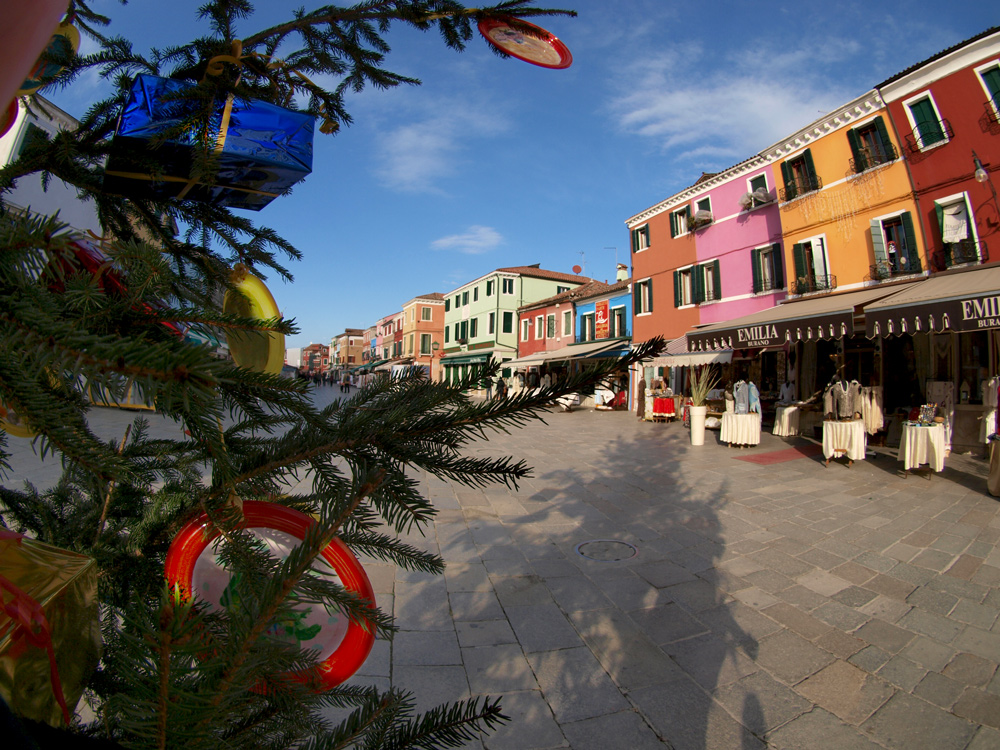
(978,313)
(763,335)
(983,312)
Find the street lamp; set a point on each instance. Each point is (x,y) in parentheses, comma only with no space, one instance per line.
(982,175)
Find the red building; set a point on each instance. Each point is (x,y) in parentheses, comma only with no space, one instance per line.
(549,324)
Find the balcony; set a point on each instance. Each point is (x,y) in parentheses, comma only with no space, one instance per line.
(765,286)
(808,284)
(801,186)
(933,133)
(992,107)
(964,252)
(870,157)
(884,270)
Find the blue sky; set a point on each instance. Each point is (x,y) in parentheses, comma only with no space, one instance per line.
(494,163)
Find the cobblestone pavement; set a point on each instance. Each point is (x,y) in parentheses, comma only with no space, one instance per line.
(786,605)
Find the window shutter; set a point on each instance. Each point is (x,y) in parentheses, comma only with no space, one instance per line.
(717,279)
(860,164)
(635,240)
(678,294)
(698,283)
(878,242)
(928,127)
(991,78)
(687,217)
(939,212)
(645,234)
(912,256)
(810,169)
(649,298)
(786,177)
(636,298)
(799,258)
(674,229)
(883,136)
(779,266)
(755,270)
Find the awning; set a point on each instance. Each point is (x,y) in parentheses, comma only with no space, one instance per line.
(677,355)
(967,300)
(828,317)
(602,348)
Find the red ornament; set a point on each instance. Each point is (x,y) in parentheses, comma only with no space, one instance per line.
(343,644)
(533,44)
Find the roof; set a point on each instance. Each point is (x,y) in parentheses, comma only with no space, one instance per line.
(541,273)
(591,287)
(432,295)
(939,55)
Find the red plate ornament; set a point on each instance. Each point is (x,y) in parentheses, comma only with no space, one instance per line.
(342,645)
(538,47)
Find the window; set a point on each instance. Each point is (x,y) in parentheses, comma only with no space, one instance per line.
(989,78)
(561,289)
(928,127)
(446,331)
(894,246)
(539,331)
(870,145)
(587,327)
(550,326)
(640,239)
(508,286)
(567,323)
(812,268)
(465,298)
(475,294)
(489,288)
(642,292)
(697,284)
(958,232)
(425,313)
(767,269)
(525,329)
(492,323)
(757,193)
(679,221)
(458,301)
(409,344)
(508,322)
(799,176)
(458,331)
(425,343)
(618,325)
(473,328)
(465,330)
(757,183)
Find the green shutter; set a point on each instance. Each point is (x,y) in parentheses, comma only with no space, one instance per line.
(860,164)
(883,136)
(755,270)
(810,170)
(649,286)
(786,176)
(673,225)
(939,212)
(717,279)
(678,294)
(779,266)
(698,283)
(928,125)
(991,78)
(636,300)
(912,256)
(878,242)
(799,258)
(645,233)
(635,240)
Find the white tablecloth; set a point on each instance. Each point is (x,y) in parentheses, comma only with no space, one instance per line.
(845,437)
(922,444)
(786,421)
(741,429)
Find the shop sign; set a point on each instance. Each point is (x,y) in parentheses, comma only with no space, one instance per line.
(602,320)
(763,335)
(980,312)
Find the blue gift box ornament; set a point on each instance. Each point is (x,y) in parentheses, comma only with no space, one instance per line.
(261,149)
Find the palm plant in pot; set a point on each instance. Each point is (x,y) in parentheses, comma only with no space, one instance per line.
(703,380)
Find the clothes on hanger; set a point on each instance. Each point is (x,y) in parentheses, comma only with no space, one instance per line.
(871,409)
(988,423)
(741,394)
(753,398)
(942,392)
(787,393)
(840,399)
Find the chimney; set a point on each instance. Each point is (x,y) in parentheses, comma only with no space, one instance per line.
(622,272)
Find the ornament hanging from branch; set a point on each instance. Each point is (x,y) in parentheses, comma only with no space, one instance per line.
(526,42)
(63,44)
(260,351)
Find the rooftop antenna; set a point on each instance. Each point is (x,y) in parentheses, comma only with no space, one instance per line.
(583,261)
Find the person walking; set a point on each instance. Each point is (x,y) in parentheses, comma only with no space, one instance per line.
(488,385)
(501,391)
(640,398)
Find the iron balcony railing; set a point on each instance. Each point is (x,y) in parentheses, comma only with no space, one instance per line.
(766,285)
(584,339)
(928,133)
(961,253)
(992,107)
(801,186)
(872,157)
(885,270)
(805,285)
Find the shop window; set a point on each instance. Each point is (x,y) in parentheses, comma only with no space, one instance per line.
(799,176)
(640,239)
(973,358)
(870,145)
(767,268)
(812,268)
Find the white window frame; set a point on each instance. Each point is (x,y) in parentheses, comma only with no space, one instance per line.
(525,328)
(982,82)
(950,200)
(907,103)
(644,296)
(539,327)
(550,318)
(504,286)
(821,238)
(611,314)
(425,337)
(641,238)
(687,286)
(567,323)
(708,282)
(585,319)
(684,211)
(766,270)
(493,323)
(426,313)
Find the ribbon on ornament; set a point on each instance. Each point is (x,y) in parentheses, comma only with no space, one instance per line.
(30,625)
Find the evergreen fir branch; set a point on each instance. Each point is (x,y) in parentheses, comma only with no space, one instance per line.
(445,726)
(390,549)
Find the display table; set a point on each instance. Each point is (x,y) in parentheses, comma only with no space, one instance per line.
(847,438)
(786,421)
(663,408)
(922,444)
(740,429)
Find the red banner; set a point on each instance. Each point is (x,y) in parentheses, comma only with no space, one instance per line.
(602,321)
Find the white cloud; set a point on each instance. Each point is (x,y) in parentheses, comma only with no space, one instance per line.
(475,241)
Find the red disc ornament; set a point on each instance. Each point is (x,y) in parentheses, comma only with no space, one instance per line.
(533,44)
(342,644)
(8,117)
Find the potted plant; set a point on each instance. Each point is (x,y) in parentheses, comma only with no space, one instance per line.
(703,380)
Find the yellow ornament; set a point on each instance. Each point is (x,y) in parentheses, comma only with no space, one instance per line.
(260,351)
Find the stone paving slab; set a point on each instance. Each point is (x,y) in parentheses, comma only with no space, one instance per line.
(781,606)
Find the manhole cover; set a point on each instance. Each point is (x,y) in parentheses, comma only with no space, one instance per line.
(606,550)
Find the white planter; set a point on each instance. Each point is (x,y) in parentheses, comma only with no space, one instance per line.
(697,424)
